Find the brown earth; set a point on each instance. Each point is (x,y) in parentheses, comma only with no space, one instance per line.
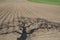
(11,10)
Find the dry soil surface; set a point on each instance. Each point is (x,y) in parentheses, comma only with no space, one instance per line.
(12,9)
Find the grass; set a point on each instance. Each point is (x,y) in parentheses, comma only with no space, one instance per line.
(55,2)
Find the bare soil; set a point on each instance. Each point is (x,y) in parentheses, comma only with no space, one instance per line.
(11,11)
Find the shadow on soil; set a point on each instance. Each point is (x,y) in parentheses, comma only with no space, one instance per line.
(24,23)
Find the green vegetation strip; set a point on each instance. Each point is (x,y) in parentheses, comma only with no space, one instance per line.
(55,2)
